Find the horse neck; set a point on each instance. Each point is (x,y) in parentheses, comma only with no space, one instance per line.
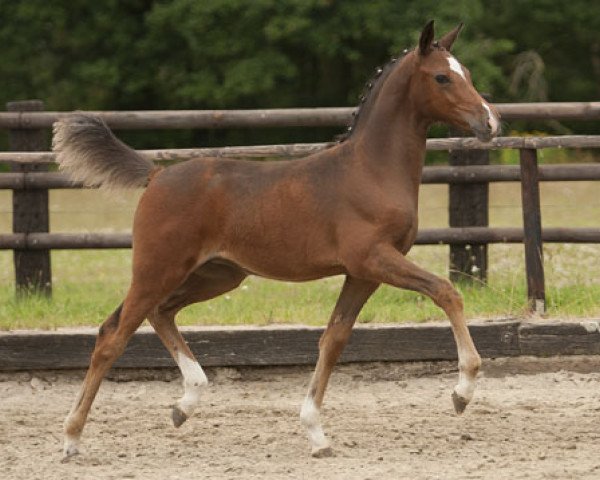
(391,142)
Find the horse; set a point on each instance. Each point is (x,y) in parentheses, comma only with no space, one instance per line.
(202,226)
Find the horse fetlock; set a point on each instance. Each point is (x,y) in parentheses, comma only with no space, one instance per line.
(309,413)
(470,365)
(464,390)
(311,419)
(196,383)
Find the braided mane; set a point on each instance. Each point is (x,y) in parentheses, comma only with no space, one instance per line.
(368,96)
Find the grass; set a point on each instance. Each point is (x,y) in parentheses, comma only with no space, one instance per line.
(88,285)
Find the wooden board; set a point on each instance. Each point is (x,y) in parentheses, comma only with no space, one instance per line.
(547,339)
(283,117)
(256,346)
(294,345)
(305,149)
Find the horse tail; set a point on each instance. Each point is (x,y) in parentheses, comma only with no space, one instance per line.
(88,151)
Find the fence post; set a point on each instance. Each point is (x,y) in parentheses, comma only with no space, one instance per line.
(532,229)
(30,208)
(468,207)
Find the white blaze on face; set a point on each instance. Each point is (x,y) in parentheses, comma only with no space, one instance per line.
(456,67)
(492,119)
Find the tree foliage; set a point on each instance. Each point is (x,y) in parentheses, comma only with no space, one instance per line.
(150,54)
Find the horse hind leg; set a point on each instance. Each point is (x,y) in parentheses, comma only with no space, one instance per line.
(194,378)
(151,283)
(207,282)
(111,341)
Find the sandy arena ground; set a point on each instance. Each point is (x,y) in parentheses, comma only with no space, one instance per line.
(535,419)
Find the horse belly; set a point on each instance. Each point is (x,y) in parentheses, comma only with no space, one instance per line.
(284,251)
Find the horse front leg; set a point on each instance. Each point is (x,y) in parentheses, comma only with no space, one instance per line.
(386,264)
(353,296)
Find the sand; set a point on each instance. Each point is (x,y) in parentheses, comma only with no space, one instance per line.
(531,418)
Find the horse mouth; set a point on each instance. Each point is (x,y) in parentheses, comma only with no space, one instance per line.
(485,132)
(484,135)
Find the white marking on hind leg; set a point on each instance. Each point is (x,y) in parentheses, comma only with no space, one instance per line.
(465,387)
(70,447)
(71,440)
(194,380)
(311,419)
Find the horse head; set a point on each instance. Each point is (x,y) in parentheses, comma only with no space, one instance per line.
(442,90)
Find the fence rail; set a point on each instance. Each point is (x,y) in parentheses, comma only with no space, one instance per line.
(284,117)
(427,236)
(431,175)
(303,149)
(32,242)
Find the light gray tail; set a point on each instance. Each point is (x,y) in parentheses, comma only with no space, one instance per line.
(88,151)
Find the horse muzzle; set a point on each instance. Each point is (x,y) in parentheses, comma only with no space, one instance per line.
(486,125)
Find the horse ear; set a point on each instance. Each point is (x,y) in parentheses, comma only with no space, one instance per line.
(426,38)
(447,40)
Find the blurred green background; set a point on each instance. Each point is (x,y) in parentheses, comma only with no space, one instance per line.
(210,54)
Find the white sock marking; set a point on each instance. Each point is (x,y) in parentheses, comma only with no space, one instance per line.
(311,419)
(467,373)
(71,445)
(456,67)
(193,381)
(465,387)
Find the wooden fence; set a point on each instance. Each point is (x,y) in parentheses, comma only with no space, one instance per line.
(468,175)
(298,345)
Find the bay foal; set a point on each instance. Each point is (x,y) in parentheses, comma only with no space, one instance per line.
(202,226)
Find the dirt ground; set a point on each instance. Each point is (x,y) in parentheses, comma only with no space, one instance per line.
(530,418)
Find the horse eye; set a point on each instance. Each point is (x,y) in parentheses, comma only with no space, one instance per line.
(442,79)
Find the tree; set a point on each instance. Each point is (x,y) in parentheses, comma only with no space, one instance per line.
(148,54)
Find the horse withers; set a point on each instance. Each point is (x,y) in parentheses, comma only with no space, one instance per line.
(203,225)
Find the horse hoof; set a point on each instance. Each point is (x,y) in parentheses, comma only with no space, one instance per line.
(459,403)
(322,452)
(178,416)
(69,452)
